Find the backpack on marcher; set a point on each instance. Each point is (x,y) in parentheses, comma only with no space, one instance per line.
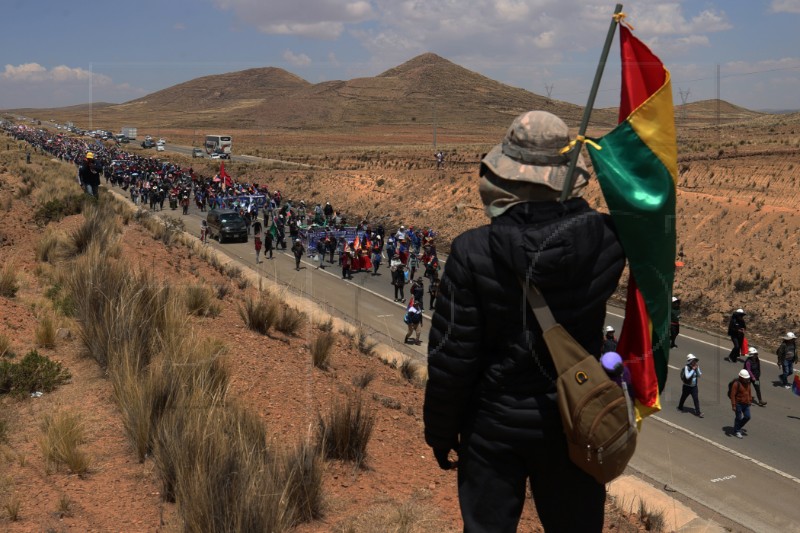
(684,377)
(597,414)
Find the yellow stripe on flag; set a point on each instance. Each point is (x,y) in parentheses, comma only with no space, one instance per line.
(654,123)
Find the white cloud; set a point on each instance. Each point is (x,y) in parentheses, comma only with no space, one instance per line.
(668,18)
(25,72)
(298,60)
(35,85)
(321,19)
(785,6)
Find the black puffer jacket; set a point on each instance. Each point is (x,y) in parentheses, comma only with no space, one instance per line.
(483,377)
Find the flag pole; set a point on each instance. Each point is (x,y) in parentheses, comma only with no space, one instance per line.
(587,111)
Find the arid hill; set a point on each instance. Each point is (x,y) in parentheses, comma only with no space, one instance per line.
(427,89)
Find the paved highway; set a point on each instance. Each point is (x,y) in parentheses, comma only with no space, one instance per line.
(187,150)
(750,481)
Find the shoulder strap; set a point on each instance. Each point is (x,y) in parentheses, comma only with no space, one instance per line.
(563,348)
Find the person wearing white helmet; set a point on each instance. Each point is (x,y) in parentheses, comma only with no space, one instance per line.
(753,366)
(787,357)
(674,321)
(689,376)
(741,398)
(298,250)
(736,327)
(609,341)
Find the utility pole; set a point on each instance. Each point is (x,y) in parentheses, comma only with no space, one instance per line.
(434,125)
(718,101)
(684,99)
(549,89)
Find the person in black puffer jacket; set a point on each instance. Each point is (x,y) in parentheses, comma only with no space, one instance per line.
(491,395)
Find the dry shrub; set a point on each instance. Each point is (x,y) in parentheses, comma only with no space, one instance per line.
(260,314)
(303,474)
(8,280)
(321,348)
(365,345)
(5,347)
(120,311)
(362,380)
(345,432)
(408,370)
(214,460)
(62,436)
(45,333)
(53,246)
(198,301)
(99,228)
(64,508)
(290,320)
(326,326)
(12,507)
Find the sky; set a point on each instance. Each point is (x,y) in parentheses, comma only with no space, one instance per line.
(58,53)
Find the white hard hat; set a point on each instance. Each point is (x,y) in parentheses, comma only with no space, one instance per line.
(789,336)
(744,374)
(691,357)
(297,240)
(674,299)
(740,311)
(752,350)
(609,329)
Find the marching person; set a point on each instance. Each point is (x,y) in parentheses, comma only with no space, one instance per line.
(689,376)
(298,250)
(674,321)
(753,366)
(787,357)
(257,243)
(491,397)
(609,342)
(413,318)
(741,398)
(398,271)
(433,290)
(736,327)
(268,244)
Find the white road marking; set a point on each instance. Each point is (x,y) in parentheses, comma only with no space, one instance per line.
(726,449)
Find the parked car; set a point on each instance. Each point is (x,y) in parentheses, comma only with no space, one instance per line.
(198,152)
(159,148)
(226,224)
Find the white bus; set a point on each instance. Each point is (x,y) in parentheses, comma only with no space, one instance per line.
(218,143)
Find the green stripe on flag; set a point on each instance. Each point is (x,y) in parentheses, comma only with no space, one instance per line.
(640,194)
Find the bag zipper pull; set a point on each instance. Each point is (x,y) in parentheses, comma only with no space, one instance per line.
(588,453)
(600,455)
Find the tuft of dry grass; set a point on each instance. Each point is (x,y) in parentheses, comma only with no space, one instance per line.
(364,379)
(303,469)
(5,347)
(45,333)
(408,370)
(54,246)
(12,507)
(8,280)
(62,435)
(345,431)
(99,228)
(321,348)
(290,320)
(364,344)
(198,300)
(260,315)
(64,507)
(326,326)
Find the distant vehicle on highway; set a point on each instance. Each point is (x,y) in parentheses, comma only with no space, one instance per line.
(218,143)
(220,155)
(148,143)
(160,148)
(225,224)
(198,152)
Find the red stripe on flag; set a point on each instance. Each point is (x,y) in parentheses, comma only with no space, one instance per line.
(642,73)
(636,347)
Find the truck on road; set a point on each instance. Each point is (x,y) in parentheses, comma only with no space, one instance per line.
(129,132)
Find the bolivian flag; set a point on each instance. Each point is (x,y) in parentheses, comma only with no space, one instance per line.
(636,164)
